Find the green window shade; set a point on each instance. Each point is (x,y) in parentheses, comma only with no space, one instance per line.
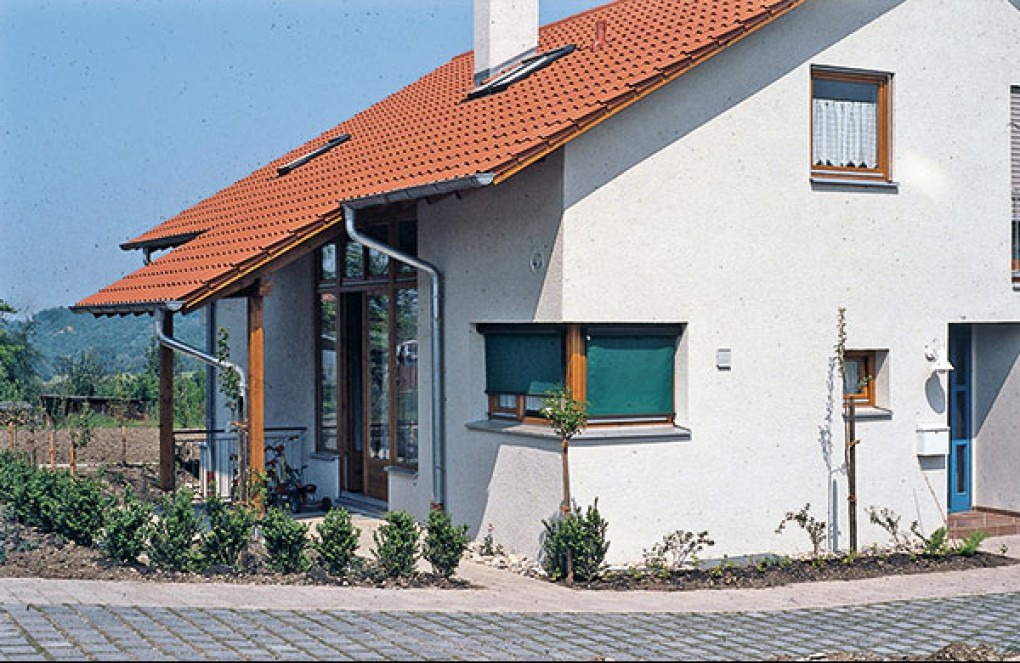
(523,363)
(630,375)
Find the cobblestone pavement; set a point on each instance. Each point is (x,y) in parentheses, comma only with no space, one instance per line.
(113,632)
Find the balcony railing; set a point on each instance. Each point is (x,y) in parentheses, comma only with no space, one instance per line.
(207,460)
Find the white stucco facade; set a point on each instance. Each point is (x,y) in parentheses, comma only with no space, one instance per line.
(695,207)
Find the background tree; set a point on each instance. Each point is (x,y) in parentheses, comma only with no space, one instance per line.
(18,379)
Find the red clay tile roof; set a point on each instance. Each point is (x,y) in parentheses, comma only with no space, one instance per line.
(429,133)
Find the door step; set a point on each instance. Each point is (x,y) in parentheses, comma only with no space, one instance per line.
(992,523)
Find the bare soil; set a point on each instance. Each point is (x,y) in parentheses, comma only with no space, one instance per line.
(130,457)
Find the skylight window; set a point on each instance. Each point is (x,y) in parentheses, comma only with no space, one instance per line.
(526,68)
(300,161)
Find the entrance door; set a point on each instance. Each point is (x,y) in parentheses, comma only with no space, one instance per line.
(380,387)
(960,418)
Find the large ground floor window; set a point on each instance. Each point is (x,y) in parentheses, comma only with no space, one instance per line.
(625,373)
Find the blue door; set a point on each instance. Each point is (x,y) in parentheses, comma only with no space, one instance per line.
(959,418)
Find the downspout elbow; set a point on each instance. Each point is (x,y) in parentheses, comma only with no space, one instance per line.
(438,435)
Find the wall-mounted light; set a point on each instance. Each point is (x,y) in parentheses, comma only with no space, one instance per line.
(935,353)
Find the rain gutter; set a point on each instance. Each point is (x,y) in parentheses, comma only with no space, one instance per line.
(350,209)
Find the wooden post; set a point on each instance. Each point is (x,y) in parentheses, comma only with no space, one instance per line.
(10,434)
(53,448)
(256,388)
(71,457)
(166,409)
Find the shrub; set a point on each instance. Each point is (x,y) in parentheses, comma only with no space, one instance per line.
(229,529)
(890,522)
(396,548)
(936,545)
(286,542)
(79,508)
(172,535)
(970,544)
(679,546)
(123,537)
(336,541)
(815,529)
(577,540)
(444,543)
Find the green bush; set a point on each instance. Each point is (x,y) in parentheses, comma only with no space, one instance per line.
(123,537)
(970,544)
(172,535)
(336,541)
(286,542)
(675,549)
(80,506)
(444,543)
(936,545)
(396,548)
(229,528)
(575,538)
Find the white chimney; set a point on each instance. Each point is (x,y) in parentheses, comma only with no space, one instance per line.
(506,32)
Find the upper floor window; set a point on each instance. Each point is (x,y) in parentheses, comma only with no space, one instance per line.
(850,127)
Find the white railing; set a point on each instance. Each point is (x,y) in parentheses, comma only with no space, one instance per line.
(207,460)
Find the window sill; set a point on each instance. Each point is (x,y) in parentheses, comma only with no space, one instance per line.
(872,412)
(324,455)
(838,182)
(400,470)
(658,432)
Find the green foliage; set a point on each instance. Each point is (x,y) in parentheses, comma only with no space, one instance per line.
(228,529)
(123,536)
(566,416)
(444,543)
(229,381)
(675,549)
(18,380)
(970,544)
(82,373)
(489,547)
(79,508)
(890,522)
(815,529)
(396,548)
(336,541)
(81,426)
(172,534)
(936,545)
(286,542)
(582,537)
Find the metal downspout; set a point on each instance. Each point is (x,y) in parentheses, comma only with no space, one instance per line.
(210,360)
(438,469)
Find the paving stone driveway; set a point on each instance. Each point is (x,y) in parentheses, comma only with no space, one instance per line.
(99,632)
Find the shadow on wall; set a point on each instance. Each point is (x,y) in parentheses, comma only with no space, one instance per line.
(725,81)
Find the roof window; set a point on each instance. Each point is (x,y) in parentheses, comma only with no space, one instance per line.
(525,69)
(300,161)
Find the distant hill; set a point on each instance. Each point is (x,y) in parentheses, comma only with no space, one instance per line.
(120,342)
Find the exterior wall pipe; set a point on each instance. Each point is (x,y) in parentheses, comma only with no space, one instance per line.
(210,360)
(438,437)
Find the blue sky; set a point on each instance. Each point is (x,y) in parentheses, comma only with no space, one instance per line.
(116,115)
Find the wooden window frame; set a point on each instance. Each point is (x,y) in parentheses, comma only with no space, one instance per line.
(883,81)
(575,378)
(868,359)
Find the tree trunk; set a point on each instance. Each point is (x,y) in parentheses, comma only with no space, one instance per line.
(851,472)
(565,507)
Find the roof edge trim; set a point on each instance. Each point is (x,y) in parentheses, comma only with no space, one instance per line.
(422,190)
(135,308)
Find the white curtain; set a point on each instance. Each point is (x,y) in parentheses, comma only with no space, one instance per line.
(845,133)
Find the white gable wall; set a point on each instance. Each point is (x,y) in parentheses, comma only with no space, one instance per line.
(716,224)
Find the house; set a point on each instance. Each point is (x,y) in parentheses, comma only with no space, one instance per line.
(668,207)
